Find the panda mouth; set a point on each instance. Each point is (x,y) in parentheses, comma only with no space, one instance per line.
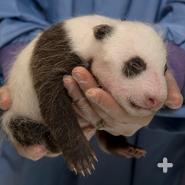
(133,104)
(138,107)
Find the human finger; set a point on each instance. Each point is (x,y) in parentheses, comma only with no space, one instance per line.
(5,99)
(174,97)
(34,152)
(84,78)
(72,88)
(81,105)
(87,128)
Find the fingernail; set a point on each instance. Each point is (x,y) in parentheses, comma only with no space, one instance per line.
(66,77)
(77,76)
(67,80)
(175,103)
(172,106)
(90,93)
(77,73)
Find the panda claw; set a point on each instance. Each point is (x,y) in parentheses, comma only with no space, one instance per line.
(82,172)
(74,169)
(95,158)
(89,171)
(92,165)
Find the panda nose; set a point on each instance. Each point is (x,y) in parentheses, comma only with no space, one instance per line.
(151,102)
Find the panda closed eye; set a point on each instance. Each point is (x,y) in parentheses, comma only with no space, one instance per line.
(134,67)
(165,68)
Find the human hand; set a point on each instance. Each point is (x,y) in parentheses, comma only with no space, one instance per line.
(93,104)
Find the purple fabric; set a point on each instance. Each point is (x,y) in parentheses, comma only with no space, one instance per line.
(176,63)
(8,55)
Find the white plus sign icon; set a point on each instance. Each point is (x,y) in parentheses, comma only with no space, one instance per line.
(165,165)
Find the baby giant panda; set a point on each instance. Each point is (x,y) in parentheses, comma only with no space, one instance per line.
(127,58)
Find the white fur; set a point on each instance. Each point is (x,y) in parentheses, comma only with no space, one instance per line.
(128,39)
(23,95)
(80,30)
(132,39)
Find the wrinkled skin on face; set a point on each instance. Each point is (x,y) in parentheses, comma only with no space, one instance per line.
(131,67)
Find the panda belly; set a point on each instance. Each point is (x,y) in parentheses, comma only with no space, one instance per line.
(25,102)
(24,99)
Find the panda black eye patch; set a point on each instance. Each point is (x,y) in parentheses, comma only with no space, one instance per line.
(134,67)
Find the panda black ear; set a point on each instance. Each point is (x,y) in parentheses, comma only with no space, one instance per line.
(101,31)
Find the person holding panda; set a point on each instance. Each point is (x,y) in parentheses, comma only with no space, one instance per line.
(162,138)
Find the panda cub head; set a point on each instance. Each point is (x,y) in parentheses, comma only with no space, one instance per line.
(131,63)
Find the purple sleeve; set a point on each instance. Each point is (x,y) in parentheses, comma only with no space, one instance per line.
(176,63)
(8,55)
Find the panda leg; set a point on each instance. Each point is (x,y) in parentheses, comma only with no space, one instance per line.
(29,132)
(118,145)
(57,112)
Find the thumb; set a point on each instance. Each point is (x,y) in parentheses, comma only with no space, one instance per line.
(174,98)
(5,99)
